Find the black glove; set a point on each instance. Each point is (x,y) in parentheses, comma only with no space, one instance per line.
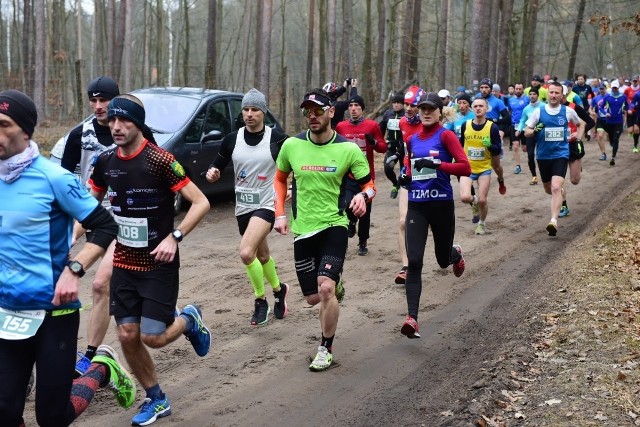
(404,180)
(347,81)
(370,140)
(426,163)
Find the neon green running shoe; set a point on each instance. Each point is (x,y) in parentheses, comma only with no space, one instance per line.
(120,382)
(322,361)
(340,290)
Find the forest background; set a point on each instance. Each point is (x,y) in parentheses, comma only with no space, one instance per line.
(53,48)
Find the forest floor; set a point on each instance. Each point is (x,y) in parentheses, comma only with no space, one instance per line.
(539,331)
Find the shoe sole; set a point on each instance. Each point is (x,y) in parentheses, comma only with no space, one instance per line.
(286,307)
(400,280)
(552,230)
(408,331)
(161,414)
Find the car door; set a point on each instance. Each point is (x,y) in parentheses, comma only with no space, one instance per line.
(217,124)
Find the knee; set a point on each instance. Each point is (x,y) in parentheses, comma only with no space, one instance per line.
(415,265)
(100,286)
(247,255)
(576,180)
(467,198)
(129,334)
(327,290)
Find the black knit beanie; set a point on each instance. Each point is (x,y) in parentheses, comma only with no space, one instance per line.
(20,108)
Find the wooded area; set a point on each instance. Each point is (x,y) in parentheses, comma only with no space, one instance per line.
(53,48)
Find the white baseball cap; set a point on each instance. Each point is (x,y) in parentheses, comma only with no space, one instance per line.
(444,93)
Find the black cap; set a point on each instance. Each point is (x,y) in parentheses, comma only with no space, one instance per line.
(104,87)
(357,99)
(398,97)
(534,90)
(317,98)
(432,99)
(486,82)
(20,108)
(464,97)
(537,78)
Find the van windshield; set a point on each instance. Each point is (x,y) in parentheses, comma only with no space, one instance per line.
(167,113)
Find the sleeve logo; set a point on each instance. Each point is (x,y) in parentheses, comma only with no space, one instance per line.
(178,169)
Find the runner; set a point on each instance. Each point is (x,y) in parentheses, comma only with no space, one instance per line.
(498,113)
(615,107)
(536,81)
(409,125)
(253,150)
(84,144)
(633,99)
(390,125)
(481,140)
(320,160)
(597,108)
(336,92)
(576,148)
(530,142)
(366,134)
(550,123)
(39,306)
(516,104)
(429,164)
(141,179)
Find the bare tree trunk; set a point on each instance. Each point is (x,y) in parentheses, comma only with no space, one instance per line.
(479,40)
(332,40)
(283,68)
(528,36)
(264,64)
(311,27)
(415,39)
(576,39)
(127,42)
(367,68)
(111,37)
(257,63)
(245,43)
(379,63)
(159,44)
(345,54)
(119,40)
(406,43)
(145,47)
(463,52)
(503,76)
(27,62)
(210,71)
(442,46)
(187,44)
(39,60)
(492,41)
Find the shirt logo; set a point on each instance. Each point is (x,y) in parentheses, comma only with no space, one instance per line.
(319,168)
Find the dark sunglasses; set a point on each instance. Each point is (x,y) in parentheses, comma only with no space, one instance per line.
(316,111)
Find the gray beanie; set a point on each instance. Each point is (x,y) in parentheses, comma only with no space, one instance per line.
(496,87)
(255,98)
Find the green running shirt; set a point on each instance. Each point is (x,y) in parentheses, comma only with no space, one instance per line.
(320,173)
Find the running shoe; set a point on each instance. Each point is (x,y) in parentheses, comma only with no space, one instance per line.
(362,249)
(517,170)
(199,336)
(603,156)
(151,410)
(552,228)
(501,187)
(534,180)
(394,192)
(82,364)
(634,150)
(564,211)
(352,229)
(120,382)
(401,278)
(612,162)
(280,308)
(475,211)
(260,312)
(481,229)
(340,290)
(322,361)
(410,328)
(458,267)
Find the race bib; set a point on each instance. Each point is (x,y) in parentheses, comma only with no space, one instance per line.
(393,124)
(554,134)
(475,153)
(133,232)
(20,325)
(422,174)
(247,197)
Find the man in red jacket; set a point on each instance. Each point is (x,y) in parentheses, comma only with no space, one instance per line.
(366,133)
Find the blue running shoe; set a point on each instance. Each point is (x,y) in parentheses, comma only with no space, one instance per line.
(564,211)
(199,335)
(151,410)
(82,364)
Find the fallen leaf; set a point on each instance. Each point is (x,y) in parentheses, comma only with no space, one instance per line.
(552,402)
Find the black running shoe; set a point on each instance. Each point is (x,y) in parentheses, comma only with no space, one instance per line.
(280,308)
(261,312)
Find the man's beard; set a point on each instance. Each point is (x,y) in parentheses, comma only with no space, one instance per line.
(323,127)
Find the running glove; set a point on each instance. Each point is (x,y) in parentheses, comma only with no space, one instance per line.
(427,163)
(370,140)
(404,180)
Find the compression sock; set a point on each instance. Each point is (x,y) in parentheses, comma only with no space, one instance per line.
(91,351)
(564,203)
(256,277)
(327,342)
(84,388)
(271,273)
(635,139)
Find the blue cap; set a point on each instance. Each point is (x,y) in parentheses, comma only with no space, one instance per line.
(461,89)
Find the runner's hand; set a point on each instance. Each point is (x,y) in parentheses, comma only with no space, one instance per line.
(358,205)
(66,288)
(426,163)
(538,128)
(282,225)
(166,250)
(404,180)
(370,140)
(213,174)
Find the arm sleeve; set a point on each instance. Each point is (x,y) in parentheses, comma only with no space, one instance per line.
(280,187)
(461,166)
(584,116)
(381,144)
(72,150)
(102,225)
(462,129)
(226,151)
(496,143)
(383,124)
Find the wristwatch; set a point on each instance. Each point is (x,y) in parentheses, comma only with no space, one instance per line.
(76,268)
(177,234)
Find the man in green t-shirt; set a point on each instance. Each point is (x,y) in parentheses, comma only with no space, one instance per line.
(321,161)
